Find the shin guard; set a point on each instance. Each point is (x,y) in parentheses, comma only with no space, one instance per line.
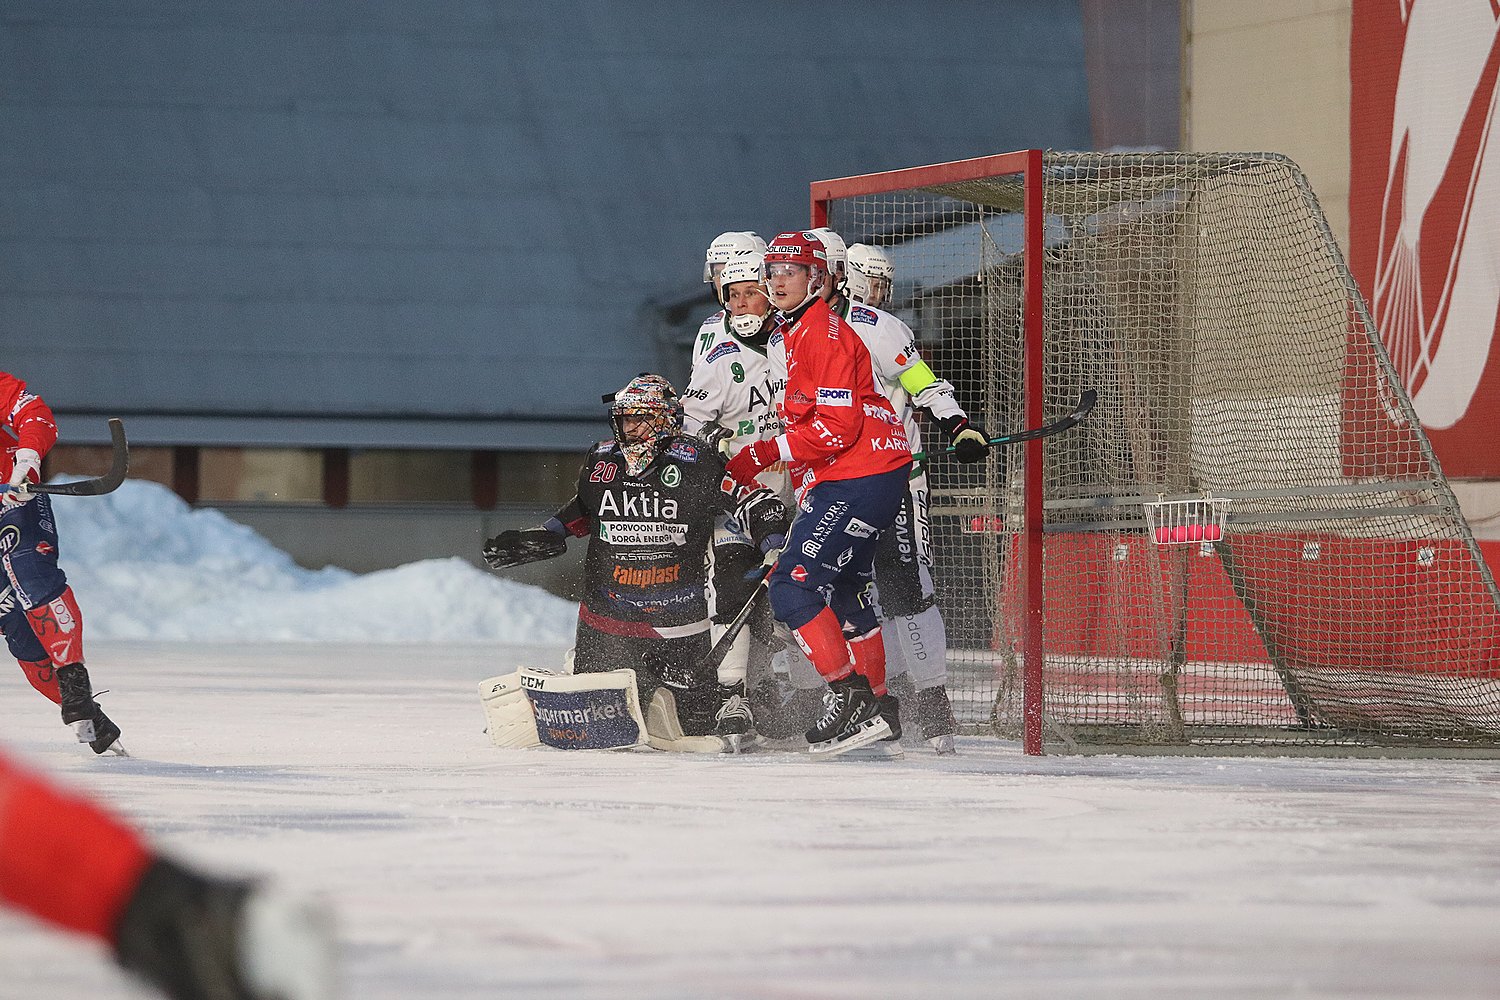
(43,676)
(869,659)
(58,625)
(824,643)
(736,663)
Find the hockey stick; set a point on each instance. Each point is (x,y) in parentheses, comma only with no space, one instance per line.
(732,630)
(1080,410)
(1085,404)
(107,483)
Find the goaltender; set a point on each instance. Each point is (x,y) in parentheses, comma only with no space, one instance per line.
(647,500)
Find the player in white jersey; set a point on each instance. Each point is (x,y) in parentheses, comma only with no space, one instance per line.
(730,401)
(916,639)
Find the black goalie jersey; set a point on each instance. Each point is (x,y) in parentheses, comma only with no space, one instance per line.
(648,537)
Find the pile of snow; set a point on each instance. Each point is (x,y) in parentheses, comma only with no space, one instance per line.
(145,565)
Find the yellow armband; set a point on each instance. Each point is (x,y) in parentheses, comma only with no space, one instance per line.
(916,378)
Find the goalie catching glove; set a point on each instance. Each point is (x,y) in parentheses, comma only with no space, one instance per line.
(970,442)
(519,547)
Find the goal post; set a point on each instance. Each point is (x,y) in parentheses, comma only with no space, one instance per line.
(1249,541)
(831,197)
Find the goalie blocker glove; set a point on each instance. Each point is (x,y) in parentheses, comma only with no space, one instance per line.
(969,441)
(519,547)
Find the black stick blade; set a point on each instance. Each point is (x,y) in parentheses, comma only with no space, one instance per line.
(109,482)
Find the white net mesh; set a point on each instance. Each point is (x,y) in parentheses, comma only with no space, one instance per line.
(1206,300)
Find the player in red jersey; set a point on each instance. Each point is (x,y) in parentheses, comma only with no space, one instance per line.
(849,459)
(78,867)
(40,618)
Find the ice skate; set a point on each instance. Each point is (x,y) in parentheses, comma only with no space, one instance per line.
(196,936)
(887,747)
(890,711)
(851,718)
(82,712)
(734,724)
(936,714)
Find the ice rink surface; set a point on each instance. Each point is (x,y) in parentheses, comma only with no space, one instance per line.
(463,871)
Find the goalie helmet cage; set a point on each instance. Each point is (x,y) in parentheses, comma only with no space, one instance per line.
(1343,599)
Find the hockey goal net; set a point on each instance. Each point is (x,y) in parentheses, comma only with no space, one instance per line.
(1338,595)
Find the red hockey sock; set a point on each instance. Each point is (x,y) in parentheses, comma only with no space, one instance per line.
(869,659)
(63,858)
(43,676)
(823,642)
(58,624)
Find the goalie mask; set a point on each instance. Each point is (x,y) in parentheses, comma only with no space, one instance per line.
(645,415)
(869,275)
(754,313)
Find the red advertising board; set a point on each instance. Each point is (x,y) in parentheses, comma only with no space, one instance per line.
(1424,211)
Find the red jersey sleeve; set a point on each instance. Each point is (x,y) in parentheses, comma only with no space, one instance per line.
(28,418)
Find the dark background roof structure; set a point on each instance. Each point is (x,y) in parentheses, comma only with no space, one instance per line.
(437,224)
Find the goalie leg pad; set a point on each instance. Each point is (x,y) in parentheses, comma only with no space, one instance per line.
(594,711)
(507,712)
(664,729)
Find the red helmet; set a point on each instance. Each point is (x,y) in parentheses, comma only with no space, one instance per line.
(801,247)
(804,249)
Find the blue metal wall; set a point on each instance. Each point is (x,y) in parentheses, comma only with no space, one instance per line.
(435,224)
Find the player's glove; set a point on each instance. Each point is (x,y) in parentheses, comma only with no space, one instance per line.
(716,436)
(970,442)
(764,516)
(194,935)
(740,471)
(27,461)
(519,547)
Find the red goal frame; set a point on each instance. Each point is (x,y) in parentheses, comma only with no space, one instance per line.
(1026,163)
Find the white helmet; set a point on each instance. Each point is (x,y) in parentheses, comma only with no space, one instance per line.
(837,253)
(870,274)
(747,268)
(729,246)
